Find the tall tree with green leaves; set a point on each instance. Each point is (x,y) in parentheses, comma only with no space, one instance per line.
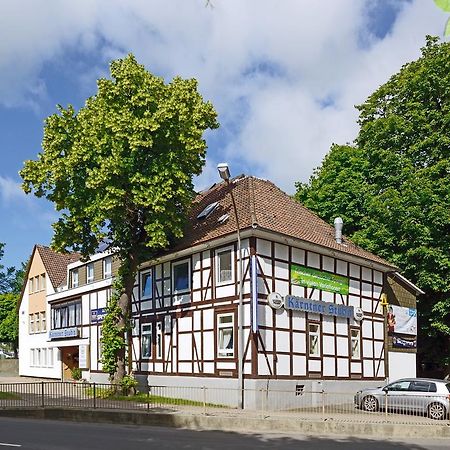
(11,280)
(392,187)
(120,169)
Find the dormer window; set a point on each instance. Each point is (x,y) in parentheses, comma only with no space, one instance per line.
(74,278)
(90,273)
(107,267)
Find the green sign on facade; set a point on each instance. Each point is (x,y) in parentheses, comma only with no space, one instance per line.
(313,278)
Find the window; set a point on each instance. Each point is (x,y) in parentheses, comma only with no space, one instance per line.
(90,273)
(44,357)
(399,386)
(31,324)
(43,281)
(43,321)
(37,323)
(32,358)
(66,315)
(224,263)
(159,340)
(146,285)
(225,330)
(37,361)
(181,280)
(314,339)
(422,386)
(36,284)
(146,343)
(355,343)
(74,277)
(107,267)
(50,357)
(30,285)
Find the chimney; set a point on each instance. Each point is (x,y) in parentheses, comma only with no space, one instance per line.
(338,224)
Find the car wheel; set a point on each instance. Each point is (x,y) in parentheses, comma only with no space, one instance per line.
(370,403)
(436,411)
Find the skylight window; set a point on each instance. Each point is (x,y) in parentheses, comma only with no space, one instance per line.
(208,210)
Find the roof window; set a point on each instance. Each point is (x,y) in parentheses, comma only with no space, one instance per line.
(208,210)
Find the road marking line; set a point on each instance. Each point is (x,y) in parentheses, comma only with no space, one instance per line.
(4,444)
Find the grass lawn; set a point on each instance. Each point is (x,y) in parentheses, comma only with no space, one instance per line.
(107,393)
(8,396)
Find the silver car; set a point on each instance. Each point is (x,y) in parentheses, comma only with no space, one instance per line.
(411,395)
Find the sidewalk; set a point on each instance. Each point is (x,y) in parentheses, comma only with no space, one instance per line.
(237,422)
(226,419)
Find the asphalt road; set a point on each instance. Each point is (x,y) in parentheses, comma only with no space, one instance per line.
(30,434)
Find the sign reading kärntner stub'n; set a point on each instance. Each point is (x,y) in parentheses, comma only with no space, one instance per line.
(313,278)
(318,307)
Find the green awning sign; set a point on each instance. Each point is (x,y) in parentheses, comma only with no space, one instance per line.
(313,278)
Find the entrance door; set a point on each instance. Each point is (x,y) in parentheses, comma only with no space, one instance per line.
(69,358)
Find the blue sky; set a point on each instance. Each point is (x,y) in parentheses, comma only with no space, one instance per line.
(284,77)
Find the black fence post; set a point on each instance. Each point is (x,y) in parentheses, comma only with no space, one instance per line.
(42,395)
(95,402)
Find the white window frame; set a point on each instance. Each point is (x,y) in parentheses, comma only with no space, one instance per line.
(50,357)
(30,285)
(74,280)
(143,275)
(43,282)
(179,263)
(230,250)
(37,322)
(355,343)
(36,283)
(311,335)
(31,324)
(224,352)
(147,332)
(107,261)
(43,321)
(90,273)
(159,340)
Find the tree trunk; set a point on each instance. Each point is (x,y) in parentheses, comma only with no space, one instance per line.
(128,269)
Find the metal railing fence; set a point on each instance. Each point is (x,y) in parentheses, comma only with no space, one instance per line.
(416,408)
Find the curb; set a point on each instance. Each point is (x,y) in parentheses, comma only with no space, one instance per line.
(233,423)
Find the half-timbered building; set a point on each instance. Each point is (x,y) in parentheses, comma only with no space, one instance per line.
(313,315)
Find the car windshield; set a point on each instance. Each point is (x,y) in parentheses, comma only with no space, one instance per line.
(448,387)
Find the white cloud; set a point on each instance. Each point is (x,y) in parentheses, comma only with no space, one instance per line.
(268,66)
(24,211)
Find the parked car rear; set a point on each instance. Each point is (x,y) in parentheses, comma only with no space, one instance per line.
(411,395)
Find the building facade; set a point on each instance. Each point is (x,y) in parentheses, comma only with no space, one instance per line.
(312,307)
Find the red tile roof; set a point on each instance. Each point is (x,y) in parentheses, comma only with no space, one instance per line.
(56,263)
(263,205)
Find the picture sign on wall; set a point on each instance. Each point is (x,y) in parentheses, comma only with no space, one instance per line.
(318,279)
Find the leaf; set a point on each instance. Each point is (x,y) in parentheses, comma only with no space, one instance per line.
(447,28)
(443,4)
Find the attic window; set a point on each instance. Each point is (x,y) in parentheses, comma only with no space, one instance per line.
(223,219)
(208,210)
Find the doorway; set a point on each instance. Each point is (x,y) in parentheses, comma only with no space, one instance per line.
(69,358)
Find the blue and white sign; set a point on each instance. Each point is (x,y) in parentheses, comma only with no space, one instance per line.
(63,333)
(98,315)
(318,307)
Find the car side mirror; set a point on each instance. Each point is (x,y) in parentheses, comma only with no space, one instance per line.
(385,389)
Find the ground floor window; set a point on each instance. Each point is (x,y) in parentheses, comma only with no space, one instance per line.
(225,330)
(355,343)
(159,340)
(146,340)
(314,339)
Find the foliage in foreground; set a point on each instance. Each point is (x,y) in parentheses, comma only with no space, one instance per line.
(120,170)
(392,187)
